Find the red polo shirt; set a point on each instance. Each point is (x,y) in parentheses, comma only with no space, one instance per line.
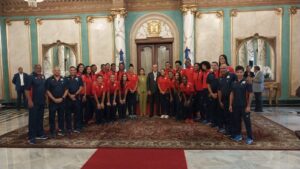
(197,79)
(133,80)
(99,89)
(187,89)
(204,78)
(88,81)
(164,83)
(120,75)
(189,72)
(217,74)
(112,87)
(124,88)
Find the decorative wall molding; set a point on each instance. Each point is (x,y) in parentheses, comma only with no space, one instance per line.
(9,21)
(48,7)
(219,14)
(234,12)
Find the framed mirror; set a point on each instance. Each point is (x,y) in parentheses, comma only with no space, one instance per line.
(258,51)
(59,54)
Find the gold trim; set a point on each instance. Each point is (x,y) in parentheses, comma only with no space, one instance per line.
(219,14)
(279,11)
(118,11)
(8,21)
(293,12)
(39,21)
(10,71)
(27,21)
(233,13)
(90,20)
(186,8)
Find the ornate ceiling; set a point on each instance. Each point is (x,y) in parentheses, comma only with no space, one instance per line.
(20,7)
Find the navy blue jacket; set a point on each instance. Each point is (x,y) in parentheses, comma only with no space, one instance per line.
(17,81)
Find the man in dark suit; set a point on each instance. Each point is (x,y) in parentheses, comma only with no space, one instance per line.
(19,82)
(153,91)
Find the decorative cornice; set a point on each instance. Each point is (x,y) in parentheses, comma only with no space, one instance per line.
(219,14)
(293,10)
(118,11)
(51,7)
(185,8)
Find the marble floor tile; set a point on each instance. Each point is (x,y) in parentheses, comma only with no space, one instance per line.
(226,159)
(37,158)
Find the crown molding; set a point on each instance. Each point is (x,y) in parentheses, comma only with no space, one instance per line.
(50,7)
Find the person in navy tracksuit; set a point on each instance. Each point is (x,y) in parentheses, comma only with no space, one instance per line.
(19,80)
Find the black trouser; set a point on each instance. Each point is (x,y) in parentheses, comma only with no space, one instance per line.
(187,109)
(204,104)
(226,116)
(58,108)
(100,113)
(122,108)
(21,96)
(178,107)
(89,108)
(213,110)
(198,108)
(131,103)
(36,121)
(258,101)
(165,103)
(237,114)
(172,108)
(112,109)
(74,107)
(154,101)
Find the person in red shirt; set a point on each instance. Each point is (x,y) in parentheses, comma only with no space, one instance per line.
(112,91)
(99,92)
(163,83)
(187,90)
(123,90)
(177,96)
(132,86)
(224,61)
(168,68)
(121,71)
(189,70)
(172,93)
(205,117)
(178,67)
(198,86)
(80,69)
(88,95)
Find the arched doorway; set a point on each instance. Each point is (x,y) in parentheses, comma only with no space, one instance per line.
(154,39)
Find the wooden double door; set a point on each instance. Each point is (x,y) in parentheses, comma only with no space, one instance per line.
(154,52)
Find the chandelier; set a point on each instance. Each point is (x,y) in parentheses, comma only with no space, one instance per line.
(33,3)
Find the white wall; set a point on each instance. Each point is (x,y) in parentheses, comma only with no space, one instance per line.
(209,37)
(101,41)
(295,53)
(18,50)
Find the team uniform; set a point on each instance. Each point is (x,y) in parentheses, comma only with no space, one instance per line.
(74,84)
(36,86)
(164,86)
(224,87)
(89,106)
(213,111)
(189,73)
(57,87)
(187,91)
(131,96)
(205,100)
(198,86)
(99,91)
(240,91)
(112,95)
(123,91)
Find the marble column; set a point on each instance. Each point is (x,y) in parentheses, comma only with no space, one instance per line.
(188,31)
(61,59)
(119,26)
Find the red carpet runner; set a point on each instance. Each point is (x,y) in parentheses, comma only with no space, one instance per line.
(137,159)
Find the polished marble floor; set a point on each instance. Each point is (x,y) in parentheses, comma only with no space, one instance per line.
(37,158)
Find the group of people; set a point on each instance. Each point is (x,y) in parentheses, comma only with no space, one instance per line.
(214,94)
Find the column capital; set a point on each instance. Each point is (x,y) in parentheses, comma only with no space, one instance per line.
(185,8)
(118,11)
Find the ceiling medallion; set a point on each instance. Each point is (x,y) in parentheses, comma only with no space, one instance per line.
(33,3)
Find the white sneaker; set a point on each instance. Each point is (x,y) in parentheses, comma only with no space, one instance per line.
(166,116)
(162,116)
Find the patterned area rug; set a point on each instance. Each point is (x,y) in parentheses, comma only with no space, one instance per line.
(162,133)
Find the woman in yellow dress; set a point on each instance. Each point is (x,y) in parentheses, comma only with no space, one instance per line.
(142,92)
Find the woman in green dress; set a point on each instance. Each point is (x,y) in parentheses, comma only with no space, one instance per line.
(142,92)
